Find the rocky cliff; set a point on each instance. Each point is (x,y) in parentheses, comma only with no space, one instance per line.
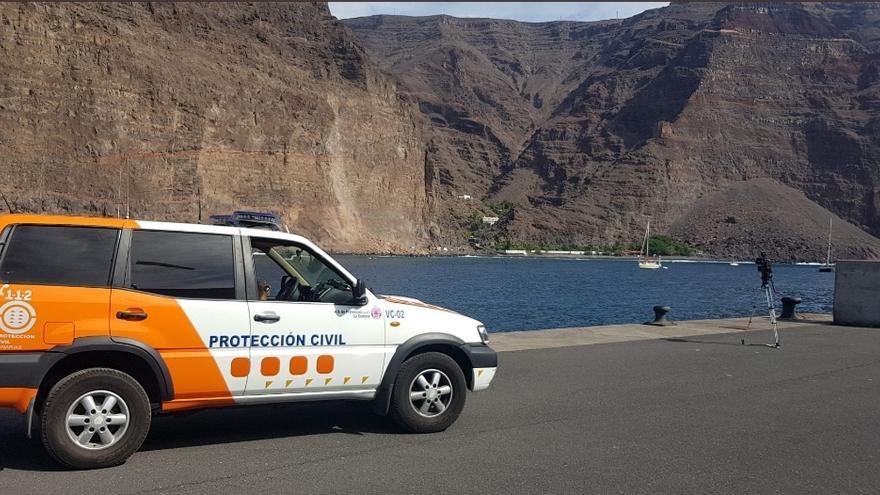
(179,111)
(733,127)
(691,115)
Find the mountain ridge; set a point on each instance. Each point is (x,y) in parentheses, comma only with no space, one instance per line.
(642,117)
(398,134)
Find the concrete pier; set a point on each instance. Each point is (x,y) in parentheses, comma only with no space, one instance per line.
(684,409)
(607,334)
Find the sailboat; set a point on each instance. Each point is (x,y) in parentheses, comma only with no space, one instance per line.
(646,262)
(828,267)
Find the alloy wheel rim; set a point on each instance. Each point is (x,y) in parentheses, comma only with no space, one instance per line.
(97,420)
(430,393)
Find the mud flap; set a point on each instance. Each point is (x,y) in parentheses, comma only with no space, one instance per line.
(29,417)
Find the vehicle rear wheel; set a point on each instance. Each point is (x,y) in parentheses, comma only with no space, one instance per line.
(93,418)
(429,393)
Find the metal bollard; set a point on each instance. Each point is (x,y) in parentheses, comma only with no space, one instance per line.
(788,308)
(660,317)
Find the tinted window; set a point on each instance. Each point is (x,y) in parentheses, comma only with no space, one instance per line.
(43,254)
(181,264)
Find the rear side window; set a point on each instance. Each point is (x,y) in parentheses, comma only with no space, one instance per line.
(56,255)
(181,264)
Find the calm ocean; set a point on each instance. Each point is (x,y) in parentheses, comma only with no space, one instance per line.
(533,293)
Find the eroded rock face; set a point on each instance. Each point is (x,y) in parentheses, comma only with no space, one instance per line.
(179,111)
(593,128)
(720,221)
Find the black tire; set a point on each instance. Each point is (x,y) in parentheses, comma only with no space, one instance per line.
(404,412)
(66,393)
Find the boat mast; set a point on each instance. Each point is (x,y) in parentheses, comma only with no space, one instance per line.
(646,244)
(828,256)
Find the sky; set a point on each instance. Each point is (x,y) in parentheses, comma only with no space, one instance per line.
(520,11)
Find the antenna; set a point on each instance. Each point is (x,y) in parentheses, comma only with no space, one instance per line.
(42,183)
(127,191)
(119,193)
(8,206)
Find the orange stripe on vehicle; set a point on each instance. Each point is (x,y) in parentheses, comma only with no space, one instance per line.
(119,223)
(185,404)
(419,304)
(17,398)
(194,372)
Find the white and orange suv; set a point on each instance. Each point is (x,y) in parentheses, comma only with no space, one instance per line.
(105,322)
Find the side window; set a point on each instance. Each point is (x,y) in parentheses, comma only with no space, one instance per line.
(58,255)
(288,272)
(182,264)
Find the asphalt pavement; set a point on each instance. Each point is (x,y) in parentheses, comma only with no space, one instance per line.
(697,414)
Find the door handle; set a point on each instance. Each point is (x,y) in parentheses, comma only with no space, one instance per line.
(133,314)
(267,317)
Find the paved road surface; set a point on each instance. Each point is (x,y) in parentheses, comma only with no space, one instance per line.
(698,414)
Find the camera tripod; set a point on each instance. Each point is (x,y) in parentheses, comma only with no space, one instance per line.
(768,291)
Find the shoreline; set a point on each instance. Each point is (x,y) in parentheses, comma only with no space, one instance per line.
(581,257)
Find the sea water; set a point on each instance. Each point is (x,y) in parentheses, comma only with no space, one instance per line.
(527,293)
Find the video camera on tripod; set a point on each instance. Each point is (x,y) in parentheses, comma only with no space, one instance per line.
(766,270)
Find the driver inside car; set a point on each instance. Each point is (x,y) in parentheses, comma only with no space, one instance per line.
(302,276)
(264,290)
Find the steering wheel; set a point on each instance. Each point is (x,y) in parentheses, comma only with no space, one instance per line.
(319,291)
(288,286)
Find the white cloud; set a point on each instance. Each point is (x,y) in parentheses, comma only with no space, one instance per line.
(520,11)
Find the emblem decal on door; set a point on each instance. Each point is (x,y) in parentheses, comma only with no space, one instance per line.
(17,316)
(357,313)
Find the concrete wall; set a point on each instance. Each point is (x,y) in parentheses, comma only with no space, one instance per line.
(857,293)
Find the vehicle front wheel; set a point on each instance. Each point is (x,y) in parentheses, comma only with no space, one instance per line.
(429,393)
(95,418)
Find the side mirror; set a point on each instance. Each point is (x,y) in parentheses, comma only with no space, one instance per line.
(359,292)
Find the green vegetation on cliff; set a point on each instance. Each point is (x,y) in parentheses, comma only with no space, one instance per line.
(660,244)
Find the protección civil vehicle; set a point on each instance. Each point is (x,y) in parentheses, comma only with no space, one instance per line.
(106,322)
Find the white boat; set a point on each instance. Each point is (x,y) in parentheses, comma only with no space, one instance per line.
(646,262)
(828,267)
(733,263)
